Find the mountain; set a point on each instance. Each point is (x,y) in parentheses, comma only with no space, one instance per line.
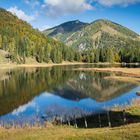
(71,26)
(100,33)
(22,42)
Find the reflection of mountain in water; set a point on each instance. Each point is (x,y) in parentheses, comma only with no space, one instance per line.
(22,85)
(94,86)
(63,111)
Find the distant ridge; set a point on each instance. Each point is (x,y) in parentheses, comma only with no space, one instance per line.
(71,26)
(99,33)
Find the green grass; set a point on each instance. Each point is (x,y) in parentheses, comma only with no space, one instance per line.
(127,132)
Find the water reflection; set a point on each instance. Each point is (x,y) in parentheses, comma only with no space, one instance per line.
(30,94)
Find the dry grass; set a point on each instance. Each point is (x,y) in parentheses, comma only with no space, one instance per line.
(127,71)
(49,64)
(133,108)
(124,79)
(36,65)
(128,132)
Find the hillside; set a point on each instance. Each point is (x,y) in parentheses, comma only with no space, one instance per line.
(103,34)
(22,41)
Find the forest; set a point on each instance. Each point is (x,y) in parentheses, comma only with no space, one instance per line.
(22,41)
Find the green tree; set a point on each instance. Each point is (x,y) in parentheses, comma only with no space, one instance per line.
(97,55)
(0,42)
(92,57)
(5,43)
(110,55)
(47,53)
(12,46)
(56,55)
(78,56)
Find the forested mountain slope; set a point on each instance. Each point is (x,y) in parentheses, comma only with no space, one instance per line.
(22,41)
(104,36)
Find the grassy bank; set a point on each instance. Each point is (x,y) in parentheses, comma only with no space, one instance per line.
(127,132)
(36,65)
(127,71)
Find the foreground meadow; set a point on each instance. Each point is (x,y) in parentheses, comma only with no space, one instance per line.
(127,132)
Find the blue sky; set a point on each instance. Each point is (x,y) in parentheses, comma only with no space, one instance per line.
(43,14)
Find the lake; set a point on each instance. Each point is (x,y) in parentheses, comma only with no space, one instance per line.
(27,95)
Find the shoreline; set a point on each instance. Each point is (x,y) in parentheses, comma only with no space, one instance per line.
(10,65)
(13,65)
(37,65)
(135,72)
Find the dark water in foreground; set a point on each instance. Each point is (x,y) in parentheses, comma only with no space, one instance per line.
(28,94)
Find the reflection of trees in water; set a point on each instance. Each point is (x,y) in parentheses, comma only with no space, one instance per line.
(24,84)
(64,113)
(4,75)
(21,120)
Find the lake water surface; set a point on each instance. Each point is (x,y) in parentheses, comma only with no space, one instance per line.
(30,94)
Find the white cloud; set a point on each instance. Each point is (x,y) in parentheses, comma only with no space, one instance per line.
(54,8)
(32,3)
(116,2)
(61,7)
(23,108)
(21,14)
(27,1)
(47,94)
